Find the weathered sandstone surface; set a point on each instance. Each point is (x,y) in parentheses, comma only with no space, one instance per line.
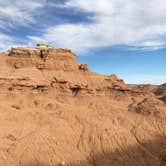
(54,111)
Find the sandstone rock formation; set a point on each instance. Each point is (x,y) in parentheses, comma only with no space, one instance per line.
(161,92)
(42,58)
(83,67)
(148,106)
(54,111)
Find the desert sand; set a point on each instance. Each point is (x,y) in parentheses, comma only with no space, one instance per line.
(54,111)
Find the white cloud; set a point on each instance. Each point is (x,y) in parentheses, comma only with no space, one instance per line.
(5,41)
(15,13)
(137,23)
(97,6)
(115,22)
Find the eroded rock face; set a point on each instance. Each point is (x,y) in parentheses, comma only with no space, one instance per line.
(163,98)
(83,67)
(160,92)
(51,58)
(48,59)
(52,110)
(148,106)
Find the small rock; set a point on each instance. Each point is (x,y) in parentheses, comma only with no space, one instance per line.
(49,106)
(83,67)
(11,137)
(10,88)
(17,65)
(16,107)
(36,102)
(62,163)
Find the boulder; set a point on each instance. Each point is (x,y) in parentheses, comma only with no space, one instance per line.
(83,67)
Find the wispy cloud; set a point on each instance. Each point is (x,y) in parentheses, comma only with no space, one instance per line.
(5,41)
(18,13)
(138,24)
(14,14)
(114,22)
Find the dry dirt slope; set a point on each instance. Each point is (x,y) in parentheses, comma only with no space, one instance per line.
(54,112)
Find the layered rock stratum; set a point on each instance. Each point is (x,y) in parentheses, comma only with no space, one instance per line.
(54,111)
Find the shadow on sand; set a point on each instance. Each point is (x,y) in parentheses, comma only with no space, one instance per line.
(152,153)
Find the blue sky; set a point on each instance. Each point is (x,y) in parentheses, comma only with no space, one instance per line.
(127,38)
